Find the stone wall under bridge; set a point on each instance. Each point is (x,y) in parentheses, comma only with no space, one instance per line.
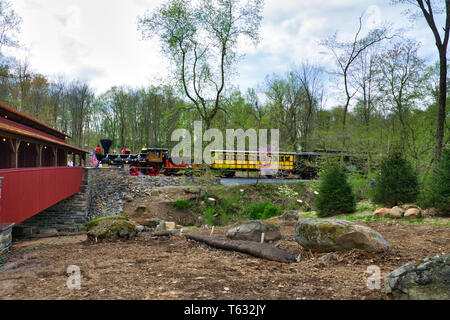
(104,191)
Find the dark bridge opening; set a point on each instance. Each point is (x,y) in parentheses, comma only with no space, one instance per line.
(5,154)
(27,155)
(48,158)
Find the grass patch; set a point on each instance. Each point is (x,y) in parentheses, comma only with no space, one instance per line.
(366,207)
(181,204)
(237,203)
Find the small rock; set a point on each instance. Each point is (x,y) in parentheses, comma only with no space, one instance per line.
(382,212)
(413,213)
(397,212)
(170,226)
(409,206)
(152,223)
(289,216)
(141,209)
(140,228)
(161,227)
(155,193)
(431,212)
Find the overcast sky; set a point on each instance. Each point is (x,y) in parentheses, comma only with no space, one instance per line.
(98,40)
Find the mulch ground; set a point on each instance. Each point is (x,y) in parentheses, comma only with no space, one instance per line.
(177,269)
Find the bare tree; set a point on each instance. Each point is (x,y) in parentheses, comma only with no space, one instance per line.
(202,40)
(9,25)
(430,12)
(346,53)
(79,98)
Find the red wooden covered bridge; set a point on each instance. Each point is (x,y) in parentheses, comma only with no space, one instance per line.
(34,166)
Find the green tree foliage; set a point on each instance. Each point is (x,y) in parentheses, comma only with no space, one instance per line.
(397,182)
(436,192)
(335,193)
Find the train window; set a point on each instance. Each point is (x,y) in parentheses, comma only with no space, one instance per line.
(251,158)
(155,154)
(220,156)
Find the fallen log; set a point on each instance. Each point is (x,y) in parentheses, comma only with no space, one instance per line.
(260,250)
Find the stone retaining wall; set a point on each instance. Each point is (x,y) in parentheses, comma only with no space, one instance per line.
(104,191)
(111,188)
(5,238)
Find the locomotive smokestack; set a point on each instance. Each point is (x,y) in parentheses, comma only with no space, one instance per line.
(106,144)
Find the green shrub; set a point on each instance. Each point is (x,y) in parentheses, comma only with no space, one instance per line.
(335,193)
(210,219)
(397,182)
(436,192)
(263,210)
(181,204)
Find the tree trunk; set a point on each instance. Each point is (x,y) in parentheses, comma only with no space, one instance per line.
(260,250)
(442,106)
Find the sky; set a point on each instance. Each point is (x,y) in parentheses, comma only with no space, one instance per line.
(98,40)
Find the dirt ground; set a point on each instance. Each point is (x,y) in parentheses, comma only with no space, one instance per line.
(178,269)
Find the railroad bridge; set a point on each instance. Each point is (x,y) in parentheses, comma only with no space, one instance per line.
(34,169)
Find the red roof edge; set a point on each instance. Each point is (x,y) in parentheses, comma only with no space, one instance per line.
(39,123)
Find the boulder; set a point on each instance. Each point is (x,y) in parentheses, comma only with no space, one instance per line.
(289,216)
(153,222)
(253,230)
(328,235)
(111,228)
(161,227)
(413,213)
(397,212)
(170,225)
(431,213)
(141,209)
(382,212)
(408,206)
(428,279)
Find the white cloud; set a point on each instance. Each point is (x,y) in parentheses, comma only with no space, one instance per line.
(98,40)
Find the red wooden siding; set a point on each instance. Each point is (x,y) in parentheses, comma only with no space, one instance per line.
(26,192)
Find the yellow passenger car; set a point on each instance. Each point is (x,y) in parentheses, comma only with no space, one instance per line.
(252,160)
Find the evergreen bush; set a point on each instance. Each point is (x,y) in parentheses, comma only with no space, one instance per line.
(396,183)
(335,193)
(436,192)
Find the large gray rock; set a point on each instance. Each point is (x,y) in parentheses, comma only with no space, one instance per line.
(253,230)
(428,279)
(111,228)
(327,235)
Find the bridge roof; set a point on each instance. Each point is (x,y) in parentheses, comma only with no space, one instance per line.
(15,115)
(24,131)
